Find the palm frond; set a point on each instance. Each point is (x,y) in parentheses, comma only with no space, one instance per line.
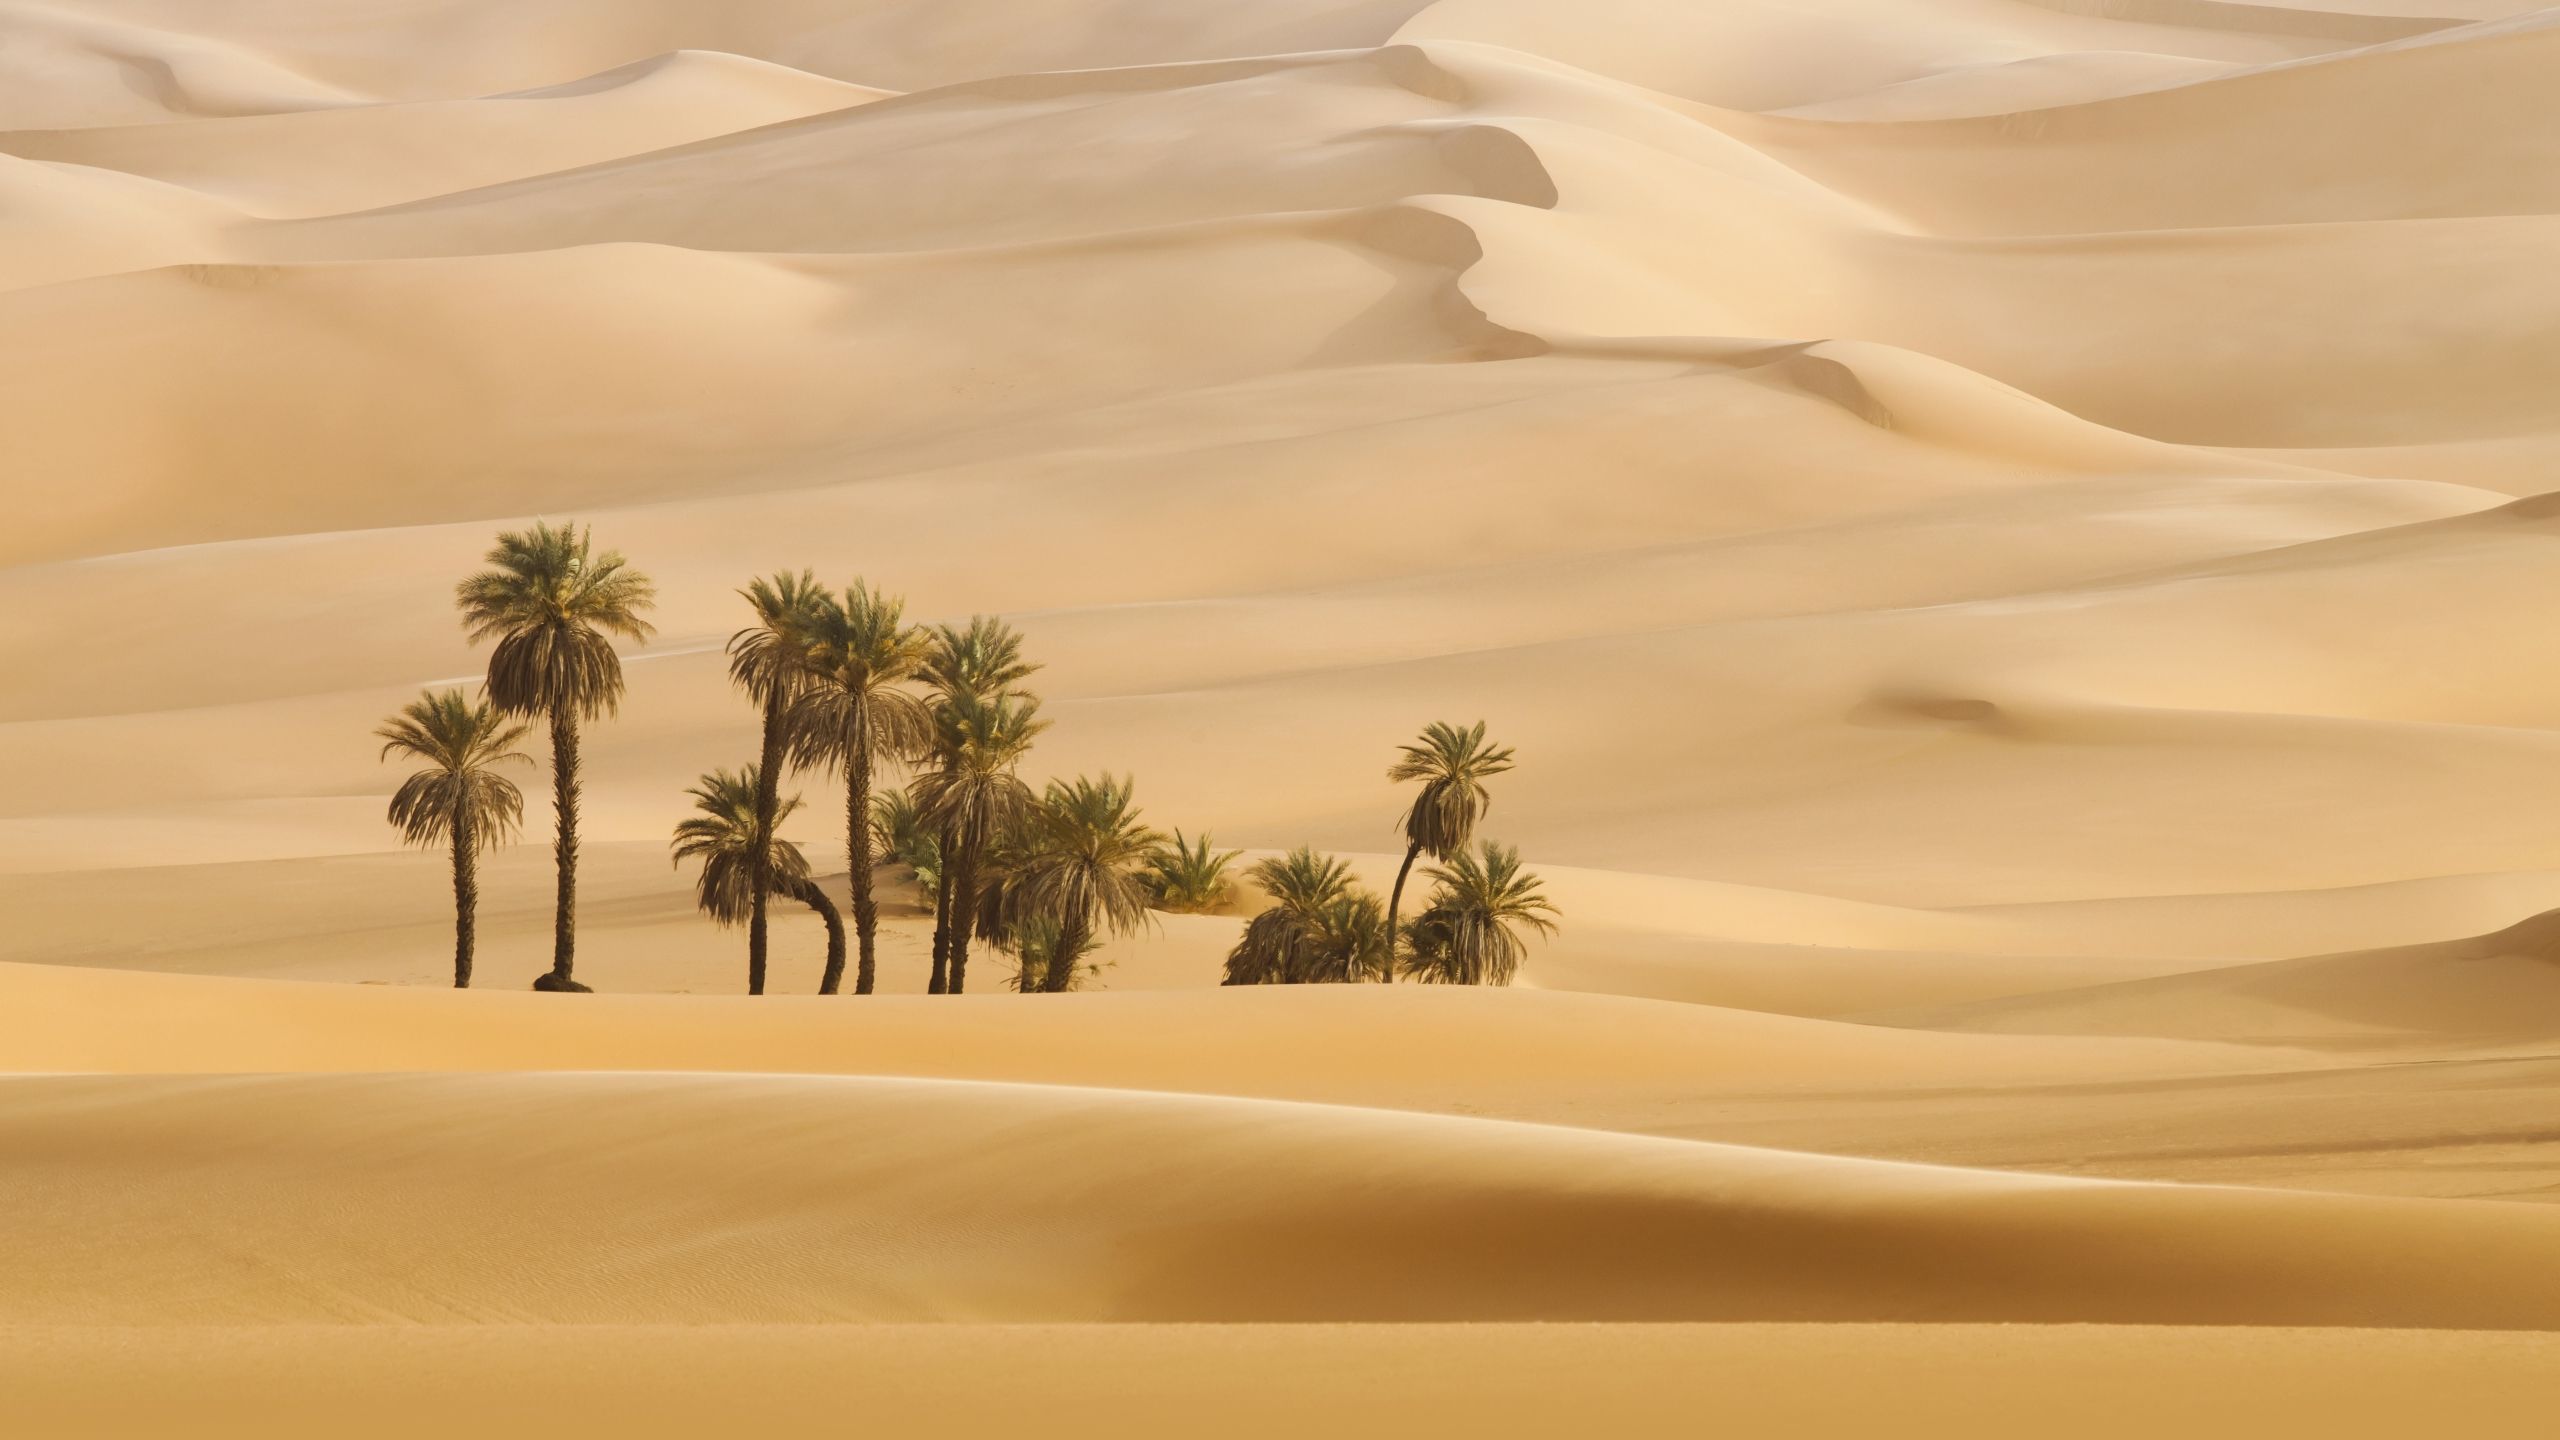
(462,743)
(551,603)
(1186,876)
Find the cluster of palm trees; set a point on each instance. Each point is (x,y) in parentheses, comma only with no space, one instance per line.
(845,686)
(1323,928)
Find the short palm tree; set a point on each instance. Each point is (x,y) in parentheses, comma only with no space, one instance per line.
(1187,877)
(550,602)
(972,797)
(982,660)
(1083,868)
(854,717)
(769,660)
(460,796)
(1319,929)
(1469,933)
(1452,765)
(899,831)
(722,835)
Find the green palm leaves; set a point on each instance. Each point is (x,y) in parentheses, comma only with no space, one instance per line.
(1470,932)
(1082,870)
(1321,927)
(552,605)
(457,796)
(1187,877)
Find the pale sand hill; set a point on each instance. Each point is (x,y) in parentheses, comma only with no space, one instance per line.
(1998,527)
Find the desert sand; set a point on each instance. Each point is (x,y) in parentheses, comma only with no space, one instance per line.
(2010,537)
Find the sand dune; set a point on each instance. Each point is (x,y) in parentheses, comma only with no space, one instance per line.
(2008,534)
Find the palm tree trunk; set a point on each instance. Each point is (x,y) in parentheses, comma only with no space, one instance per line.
(857,858)
(807,893)
(964,915)
(564,850)
(1395,901)
(941,982)
(1073,936)
(760,859)
(466,897)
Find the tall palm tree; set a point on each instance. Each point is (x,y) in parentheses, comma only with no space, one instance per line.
(549,603)
(769,660)
(981,660)
(459,796)
(1187,876)
(1319,929)
(854,717)
(722,835)
(973,798)
(1452,765)
(1084,868)
(1469,934)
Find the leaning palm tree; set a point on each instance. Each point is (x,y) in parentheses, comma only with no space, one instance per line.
(1319,929)
(1452,765)
(1188,877)
(981,660)
(1469,933)
(722,835)
(1084,868)
(769,660)
(853,716)
(972,798)
(549,603)
(459,796)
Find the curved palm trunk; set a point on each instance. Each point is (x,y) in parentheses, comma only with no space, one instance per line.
(564,849)
(466,898)
(941,982)
(857,859)
(760,859)
(1395,901)
(807,893)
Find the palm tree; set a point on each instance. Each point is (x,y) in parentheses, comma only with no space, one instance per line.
(1083,868)
(722,835)
(1452,765)
(1187,877)
(768,660)
(982,661)
(1319,929)
(550,603)
(459,796)
(853,716)
(1468,935)
(898,828)
(973,798)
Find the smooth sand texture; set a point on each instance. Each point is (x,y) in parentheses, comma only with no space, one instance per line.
(2008,536)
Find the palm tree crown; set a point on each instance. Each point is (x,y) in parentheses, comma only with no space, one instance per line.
(769,659)
(1452,764)
(1083,865)
(1468,933)
(1187,876)
(1319,929)
(550,603)
(460,790)
(858,652)
(722,835)
(975,796)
